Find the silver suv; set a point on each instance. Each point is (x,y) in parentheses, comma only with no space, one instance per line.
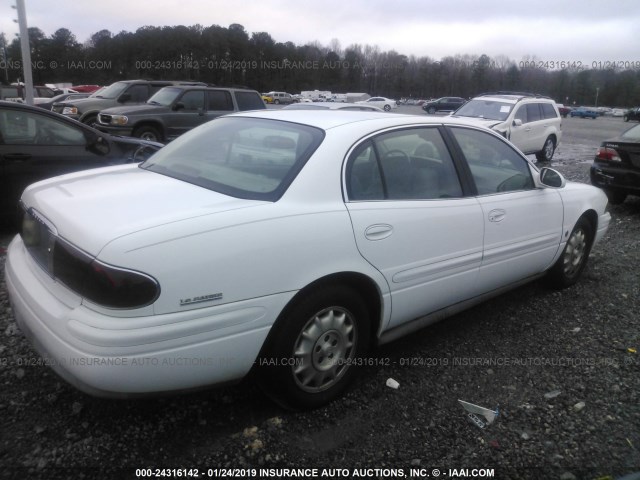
(531,122)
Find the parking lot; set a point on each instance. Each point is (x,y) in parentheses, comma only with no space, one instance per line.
(561,368)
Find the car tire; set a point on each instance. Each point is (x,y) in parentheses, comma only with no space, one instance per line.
(431,110)
(568,268)
(276,101)
(147,132)
(626,118)
(323,334)
(546,154)
(616,197)
(387,108)
(90,120)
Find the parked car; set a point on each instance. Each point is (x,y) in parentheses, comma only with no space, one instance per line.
(616,168)
(584,112)
(285,243)
(38,144)
(531,122)
(381,102)
(174,110)
(126,92)
(618,112)
(16,93)
(334,106)
(48,105)
(266,98)
(280,97)
(443,104)
(564,111)
(632,114)
(86,88)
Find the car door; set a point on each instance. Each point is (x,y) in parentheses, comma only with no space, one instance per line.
(520,134)
(36,146)
(412,222)
(188,112)
(522,223)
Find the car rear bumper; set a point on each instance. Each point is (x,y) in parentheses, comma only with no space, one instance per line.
(604,176)
(119,357)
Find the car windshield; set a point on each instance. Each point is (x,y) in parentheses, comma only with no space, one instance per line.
(165,96)
(113,90)
(489,109)
(242,157)
(633,134)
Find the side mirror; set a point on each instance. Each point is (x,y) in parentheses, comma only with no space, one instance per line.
(98,145)
(517,122)
(178,106)
(125,97)
(551,178)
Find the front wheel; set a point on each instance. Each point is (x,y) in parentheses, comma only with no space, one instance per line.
(147,132)
(431,110)
(387,108)
(569,266)
(626,118)
(313,351)
(546,154)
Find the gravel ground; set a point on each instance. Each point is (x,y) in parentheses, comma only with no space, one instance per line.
(560,367)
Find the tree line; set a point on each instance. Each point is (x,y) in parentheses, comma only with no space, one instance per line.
(230,56)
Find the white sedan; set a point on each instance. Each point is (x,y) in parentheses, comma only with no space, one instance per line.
(284,243)
(381,102)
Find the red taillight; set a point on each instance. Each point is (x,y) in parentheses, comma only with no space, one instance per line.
(105,285)
(608,154)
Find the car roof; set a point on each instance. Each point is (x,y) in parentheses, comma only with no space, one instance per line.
(336,118)
(514,97)
(209,87)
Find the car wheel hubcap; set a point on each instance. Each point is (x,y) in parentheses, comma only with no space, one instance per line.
(575,252)
(148,136)
(323,349)
(548,149)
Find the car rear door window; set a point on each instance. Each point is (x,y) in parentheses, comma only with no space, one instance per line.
(219,100)
(249,101)
(402,165)
(548,111)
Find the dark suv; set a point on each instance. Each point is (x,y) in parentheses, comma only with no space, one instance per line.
(632,114)
(176,109)
(127,92)
(444,103)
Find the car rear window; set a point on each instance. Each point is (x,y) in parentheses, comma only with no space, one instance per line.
(242,157)
(249,101)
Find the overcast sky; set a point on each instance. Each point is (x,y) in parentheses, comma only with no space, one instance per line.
(552,30)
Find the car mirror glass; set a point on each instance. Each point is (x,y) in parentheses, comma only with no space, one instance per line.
(551,178)
(178,106)
(99,145)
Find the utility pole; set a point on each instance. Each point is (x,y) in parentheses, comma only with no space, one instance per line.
(26,52)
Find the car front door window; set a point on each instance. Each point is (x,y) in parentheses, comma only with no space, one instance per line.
(495,166)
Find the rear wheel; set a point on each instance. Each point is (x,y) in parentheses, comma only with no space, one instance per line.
(546,154)
(312,352)
(569,266)
(387,108)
